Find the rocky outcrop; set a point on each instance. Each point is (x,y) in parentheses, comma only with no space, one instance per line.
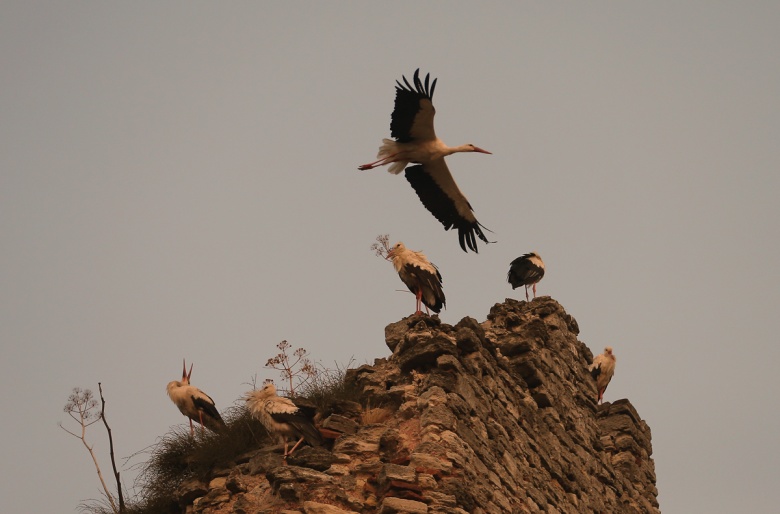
(497,417)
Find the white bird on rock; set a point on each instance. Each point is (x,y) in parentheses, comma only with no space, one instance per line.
(602,369)
(416,142)
(194,403)
(282,418)
(527,270)
(420,275)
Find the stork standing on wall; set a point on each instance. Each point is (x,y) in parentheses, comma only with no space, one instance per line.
(527,270)
(602,369)
(282,418)
(416,142)
(420,275)
(194,403)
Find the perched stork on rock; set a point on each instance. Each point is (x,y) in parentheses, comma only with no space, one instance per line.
(602,369)
(282,418)
(420,275)
(527,270)
(416,142)
(194,403)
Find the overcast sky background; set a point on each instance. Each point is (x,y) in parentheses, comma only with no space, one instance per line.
(180,179)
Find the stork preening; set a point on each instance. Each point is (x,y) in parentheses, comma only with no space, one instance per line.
(282,418)
(602,369)
(416,142)
(527,270)
(194,403)
(420,275)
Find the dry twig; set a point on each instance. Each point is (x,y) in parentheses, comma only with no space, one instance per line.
(382,246)
(81,407)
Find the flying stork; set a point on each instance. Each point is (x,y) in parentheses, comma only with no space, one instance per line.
(602,369)
(416,142)
(527,270)
(420,275)
(194,403)
(282,418)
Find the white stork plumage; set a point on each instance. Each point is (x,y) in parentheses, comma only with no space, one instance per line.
(420,275)
(194,403)
(527,270)
(282,418)
(602,370)
(416,142)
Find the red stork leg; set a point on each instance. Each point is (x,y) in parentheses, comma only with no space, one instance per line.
(284,456)
(419,302)
(534,289)
(192,430)
(296,446)
(378,162)
(526,293)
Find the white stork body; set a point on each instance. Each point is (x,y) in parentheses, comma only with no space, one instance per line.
(194,403)
(416,142)
(602,370)
(527,270)
(420,275)
(282,418)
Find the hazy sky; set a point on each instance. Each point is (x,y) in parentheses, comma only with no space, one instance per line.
(179,179)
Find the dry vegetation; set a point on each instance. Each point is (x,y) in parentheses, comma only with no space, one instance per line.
(382,246)
(371,415)
(177,457)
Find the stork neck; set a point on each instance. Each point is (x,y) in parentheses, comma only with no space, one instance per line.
(457,149)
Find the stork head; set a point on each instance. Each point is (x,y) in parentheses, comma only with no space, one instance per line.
(269,387)
(396,249)
(608,350)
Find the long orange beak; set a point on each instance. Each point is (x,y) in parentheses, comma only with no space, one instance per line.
(480,150)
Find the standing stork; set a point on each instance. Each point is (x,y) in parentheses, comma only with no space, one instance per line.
(527,270)
(416,142)
(282,418)
(194,403)
(602,369)
(420,275)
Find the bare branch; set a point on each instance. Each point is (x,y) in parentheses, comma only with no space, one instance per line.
(80,407)
(111,449)
(300,368)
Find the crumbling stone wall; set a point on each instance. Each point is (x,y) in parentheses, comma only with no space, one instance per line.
(497,417)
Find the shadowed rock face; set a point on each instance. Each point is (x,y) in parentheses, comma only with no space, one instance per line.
(486,418)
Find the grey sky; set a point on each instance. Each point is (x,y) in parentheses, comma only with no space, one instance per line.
(179,180)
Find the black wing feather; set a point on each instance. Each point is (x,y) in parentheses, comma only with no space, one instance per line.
(302,425)
(210,411)
(524,272)
(431,283)
(443,209)
(407,105)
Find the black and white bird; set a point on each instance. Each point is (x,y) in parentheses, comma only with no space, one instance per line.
(416,142)
(282,418)
(602,370)
(527,270)
(194,403)
(420,275)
